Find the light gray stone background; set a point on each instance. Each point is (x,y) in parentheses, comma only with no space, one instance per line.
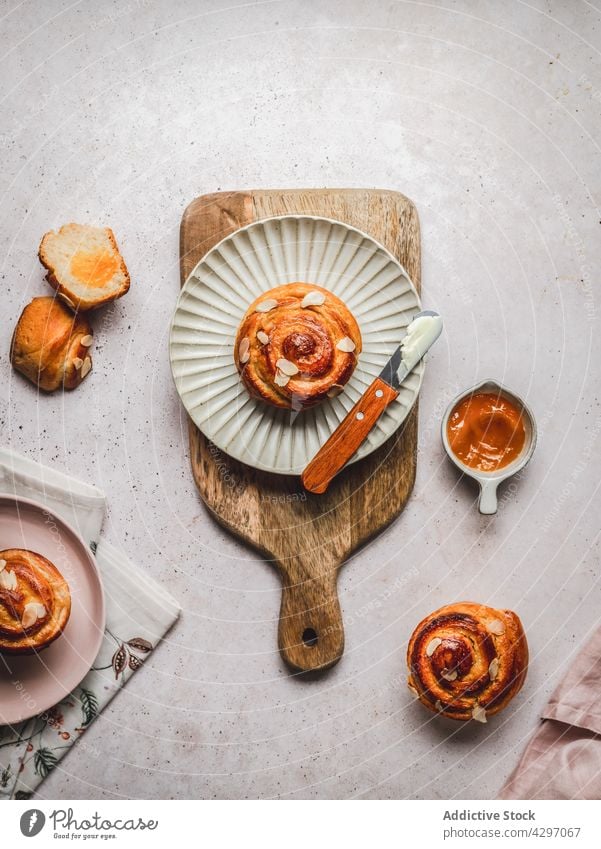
(488,116)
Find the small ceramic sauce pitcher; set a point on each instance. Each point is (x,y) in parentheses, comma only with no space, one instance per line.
(489,481)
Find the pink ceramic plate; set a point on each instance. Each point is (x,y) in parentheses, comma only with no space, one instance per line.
(30,684)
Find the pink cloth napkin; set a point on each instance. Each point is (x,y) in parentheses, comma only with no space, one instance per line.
(563,758)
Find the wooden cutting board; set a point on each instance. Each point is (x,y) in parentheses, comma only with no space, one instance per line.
(306,537)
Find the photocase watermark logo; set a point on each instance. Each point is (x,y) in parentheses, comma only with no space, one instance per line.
(32,822)
(87,827)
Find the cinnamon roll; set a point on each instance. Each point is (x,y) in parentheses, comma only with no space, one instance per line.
(297,344)
(467,660)
(35,602)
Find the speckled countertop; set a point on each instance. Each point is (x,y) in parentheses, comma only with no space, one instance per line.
(488,116)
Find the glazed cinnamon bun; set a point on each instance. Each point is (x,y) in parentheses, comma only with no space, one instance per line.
(467,660)
(297,344)
(35,602)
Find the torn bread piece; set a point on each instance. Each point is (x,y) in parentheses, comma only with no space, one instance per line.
(51,346)
(84,265)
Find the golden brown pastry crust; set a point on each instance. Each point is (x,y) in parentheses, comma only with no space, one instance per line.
(271,344)
(35,602)
(467,660)
(47,345)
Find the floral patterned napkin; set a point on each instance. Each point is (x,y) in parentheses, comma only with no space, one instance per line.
(138,614)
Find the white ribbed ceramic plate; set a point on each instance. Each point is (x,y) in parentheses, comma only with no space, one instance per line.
(214,299)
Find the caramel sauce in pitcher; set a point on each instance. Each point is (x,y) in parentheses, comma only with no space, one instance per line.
(486,431)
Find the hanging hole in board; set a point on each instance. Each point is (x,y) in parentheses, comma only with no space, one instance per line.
(310,637)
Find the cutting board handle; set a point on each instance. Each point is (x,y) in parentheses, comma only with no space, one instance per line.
(311,633)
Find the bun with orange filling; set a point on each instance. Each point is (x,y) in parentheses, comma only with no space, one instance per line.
(84,265)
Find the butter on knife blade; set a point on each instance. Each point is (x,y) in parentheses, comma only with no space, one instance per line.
(421,334)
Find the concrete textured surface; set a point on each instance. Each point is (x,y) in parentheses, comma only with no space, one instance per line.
(488,116)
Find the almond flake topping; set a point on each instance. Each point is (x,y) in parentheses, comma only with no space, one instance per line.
(313,299)
(281,379)
(86,367)
(30,617)
(244,350)
(31,613)
(335,390)
(262,337)
(347,345)
(266,305)
(2,565)
(287,367)
(78,362)
(438,705)
(66,300)
(479,714)
(87,341)
(496,627)
(8,580)
(493,669)
(433,645)
(449,676)
(413,691)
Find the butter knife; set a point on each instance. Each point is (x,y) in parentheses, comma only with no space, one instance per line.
(422,332)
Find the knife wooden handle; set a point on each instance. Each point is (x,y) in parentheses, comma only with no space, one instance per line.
(348,436)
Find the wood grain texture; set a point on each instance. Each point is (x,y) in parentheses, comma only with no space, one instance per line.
(307,537)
